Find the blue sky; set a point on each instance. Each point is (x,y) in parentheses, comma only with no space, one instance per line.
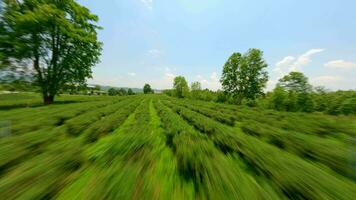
(152,41)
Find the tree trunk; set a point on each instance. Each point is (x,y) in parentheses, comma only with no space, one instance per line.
(239,99)
(48,99)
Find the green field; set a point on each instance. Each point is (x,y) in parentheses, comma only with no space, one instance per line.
(159,147)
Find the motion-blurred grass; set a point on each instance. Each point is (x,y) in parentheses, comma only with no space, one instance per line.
(158,147)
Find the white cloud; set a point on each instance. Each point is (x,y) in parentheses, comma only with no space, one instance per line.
(131,74)
(170,75)
(155,52)
(282,64)
(326,79)
(340,64)
(199,77)
(291,63)
(285,61)
(214,77)
(148,4)
(212,82)
(329,81)
(166,82)
(270,85)
(304,59)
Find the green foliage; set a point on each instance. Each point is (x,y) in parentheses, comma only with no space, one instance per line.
(295,82)
(293,93)
(169,92)
(147,89)
(160,147)
(130,92)
(119,92)
(180,87)
(112,92)
(291,173)
(349,106)
(196,86)
(58,38)
(279,99)
(244,76)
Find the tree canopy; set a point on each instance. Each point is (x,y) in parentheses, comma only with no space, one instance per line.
(295,82)
(293,93)
(57,39)
(245,76)
(180,87)
(147,89)
(112,92)
(196,86)
(130,92)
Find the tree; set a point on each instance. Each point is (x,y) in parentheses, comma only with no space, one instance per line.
(196,91)
(196,86)
(244,76)
(279,99)
(57,38)
(121,92)
(147,89)
(112,92)
(221,97)
(130,92)
(292,102)
(296,82)
(349,106)
(169,92)
(180,87)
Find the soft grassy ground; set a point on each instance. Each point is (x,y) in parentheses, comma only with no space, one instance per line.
(157,147)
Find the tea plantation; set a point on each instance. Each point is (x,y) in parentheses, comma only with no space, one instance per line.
(159,147)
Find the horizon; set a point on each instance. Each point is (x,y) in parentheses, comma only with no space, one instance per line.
(152,41)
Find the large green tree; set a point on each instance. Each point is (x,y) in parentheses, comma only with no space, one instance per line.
(180,87)
(112,92)
(279,99)
(147,89)
(245,76)
(130,92)
(299,89)
(57,38)
(295,82)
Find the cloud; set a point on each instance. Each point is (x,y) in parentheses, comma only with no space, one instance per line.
(291,63)
(282,64)
(340,64)
(212,82)
(170,75)
(270,85)
(285,61)
(148,4)
(329,81)
(166,82)
(214,77)
(326,79)
(131,74)
(305,59)
(155,52)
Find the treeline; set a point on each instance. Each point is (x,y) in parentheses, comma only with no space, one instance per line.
(243,81)
(120,92)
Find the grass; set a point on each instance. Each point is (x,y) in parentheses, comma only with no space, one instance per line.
(158,147)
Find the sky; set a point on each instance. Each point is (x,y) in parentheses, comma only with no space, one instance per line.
(152,41)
